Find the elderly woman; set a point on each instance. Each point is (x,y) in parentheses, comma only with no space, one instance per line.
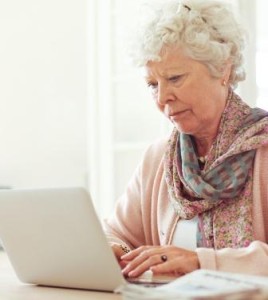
(200,198)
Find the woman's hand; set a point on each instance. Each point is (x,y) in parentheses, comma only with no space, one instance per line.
(119,252)
(160,260)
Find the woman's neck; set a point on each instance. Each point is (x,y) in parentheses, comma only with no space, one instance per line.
(203,145)
(204,141)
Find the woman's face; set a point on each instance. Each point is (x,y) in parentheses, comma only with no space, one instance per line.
(186,93)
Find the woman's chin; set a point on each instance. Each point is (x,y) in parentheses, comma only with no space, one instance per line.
(183,129)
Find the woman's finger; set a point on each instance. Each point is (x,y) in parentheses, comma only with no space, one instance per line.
(172,266)
(144,266)
(136,261)
(136,252)
(143,261)
(118,252)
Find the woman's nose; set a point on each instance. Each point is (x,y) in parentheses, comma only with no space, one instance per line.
(163,95)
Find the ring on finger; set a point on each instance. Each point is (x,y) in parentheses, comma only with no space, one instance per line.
(163,258)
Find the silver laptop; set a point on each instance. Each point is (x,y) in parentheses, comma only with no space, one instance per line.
(53,237)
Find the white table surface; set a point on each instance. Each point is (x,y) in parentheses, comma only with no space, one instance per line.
(12,289)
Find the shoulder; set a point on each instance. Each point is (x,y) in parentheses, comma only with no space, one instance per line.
(152,159)
(155,151)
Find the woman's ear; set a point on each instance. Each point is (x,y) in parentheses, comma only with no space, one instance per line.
(226,72)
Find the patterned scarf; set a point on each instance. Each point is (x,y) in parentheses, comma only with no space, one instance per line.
(221,193)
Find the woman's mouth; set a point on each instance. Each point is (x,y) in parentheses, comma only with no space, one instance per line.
(177,115)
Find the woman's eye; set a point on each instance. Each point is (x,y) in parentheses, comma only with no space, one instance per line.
(152,85)
(175,78)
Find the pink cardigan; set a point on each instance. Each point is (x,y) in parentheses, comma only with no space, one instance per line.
(144,216)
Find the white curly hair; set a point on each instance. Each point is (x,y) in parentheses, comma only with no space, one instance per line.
(206,29)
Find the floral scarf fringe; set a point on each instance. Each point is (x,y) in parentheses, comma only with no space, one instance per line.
(221,193)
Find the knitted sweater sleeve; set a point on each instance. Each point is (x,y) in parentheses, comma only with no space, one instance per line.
(252,260)
(125,225)
(130,224)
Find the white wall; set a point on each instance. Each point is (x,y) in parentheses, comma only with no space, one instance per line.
(42,93)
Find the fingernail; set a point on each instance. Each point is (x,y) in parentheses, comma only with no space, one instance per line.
(132,274)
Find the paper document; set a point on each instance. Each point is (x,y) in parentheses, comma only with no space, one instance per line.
(202,284)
